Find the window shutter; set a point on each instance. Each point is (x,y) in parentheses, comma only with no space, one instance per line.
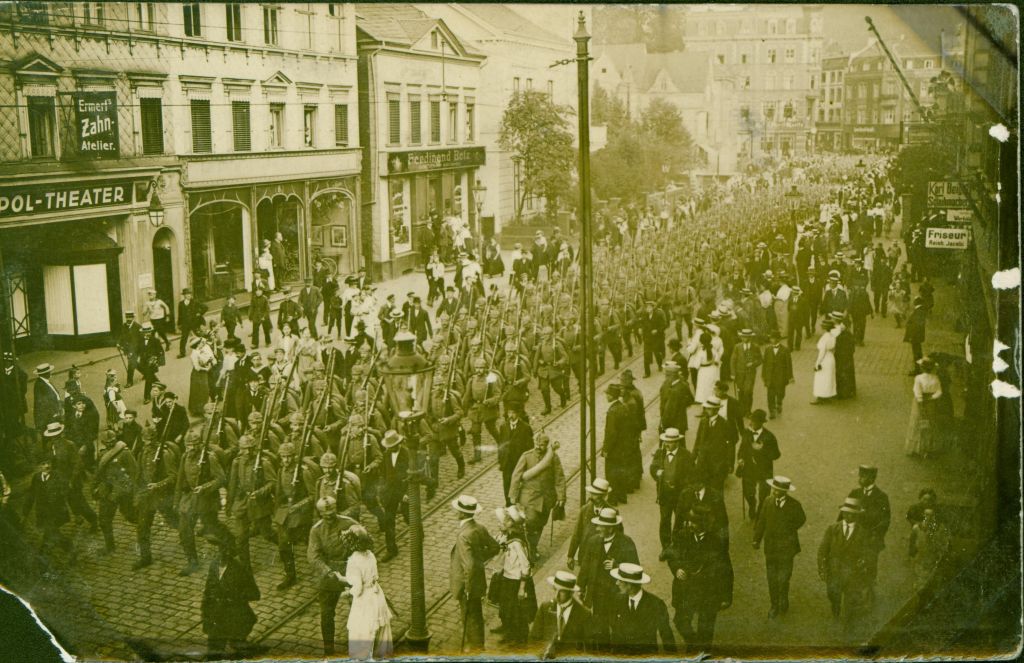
(201,138)
(415,124)
(394,121)
(152,126)
(341,125)
(435,121)
(240,126)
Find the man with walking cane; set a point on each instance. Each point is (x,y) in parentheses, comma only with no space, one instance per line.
(473,547)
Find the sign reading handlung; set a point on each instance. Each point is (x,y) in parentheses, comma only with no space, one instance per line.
(422,160)
(947,238)
(45,198)
(96,116)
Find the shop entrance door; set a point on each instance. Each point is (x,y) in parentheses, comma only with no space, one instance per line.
(218,251)
(163,270)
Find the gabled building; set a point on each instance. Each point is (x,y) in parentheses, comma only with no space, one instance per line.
(520,54)
(828,125)
(419,100)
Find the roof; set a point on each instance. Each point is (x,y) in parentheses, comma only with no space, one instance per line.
(689,71)
(509,22)
(625,57)
(398,23)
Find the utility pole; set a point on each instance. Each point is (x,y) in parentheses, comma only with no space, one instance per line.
(897,67)
(588,408)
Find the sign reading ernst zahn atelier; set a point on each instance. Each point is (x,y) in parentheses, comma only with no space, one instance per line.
(45,198)
(422,160)
(96,113)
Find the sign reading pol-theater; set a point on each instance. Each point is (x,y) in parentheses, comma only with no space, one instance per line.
(44,198)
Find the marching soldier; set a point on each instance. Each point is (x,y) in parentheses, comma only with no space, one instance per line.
(328,552)
(157,461)
(364,462)
(200,477)
(549,366)
(515,368)
(294,490)
(249,501)
(114,485)
(343,487)
(611,333)
(443,423)
(66,464)
(480,401)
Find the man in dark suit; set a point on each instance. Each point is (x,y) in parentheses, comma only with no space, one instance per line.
(641,618)
(48,494)
(712,448)
(129,340)
(47,406)
(151,358)
(310,299)
(473,547)
(755,462)
(676,397)
(516,438)
(671,468)
(13,389)
(834,298)
(776,373)
(598,491)
(876,518)
(418,321)
(653,324)
(190,318)
(259,317)
(798,319)
(733,413)
(777,525)
(81,427)
(394,469)
(616,450)
(746,357)
(288,311)
(562,624)
(599,555)
(699,495)
(702,579)
(915,331)
(170,420)
(249,399)
(450,304)
(843,562)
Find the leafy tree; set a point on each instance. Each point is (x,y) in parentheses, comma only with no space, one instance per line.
(536,130)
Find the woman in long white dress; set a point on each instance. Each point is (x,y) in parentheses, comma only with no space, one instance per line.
(927,392)
(287,341)
(709,369)
(369,618)
(825,365)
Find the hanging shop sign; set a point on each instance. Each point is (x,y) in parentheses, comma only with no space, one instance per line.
(424,160)
(954,215)
(946,194)
(45,198)
(96,119)
(947,238)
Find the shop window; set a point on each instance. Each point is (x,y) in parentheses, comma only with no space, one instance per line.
(42,127)
(152,115)
(453,122)
(233,18)
(400,225)
(217,246)
(240,126)
(93,13)
(270,25)
(193,20)
(435,121)
(394,120)
(278,220)
(202,138)
(415,121)
(341,125)
(309,126)
(143,14)
(276,126)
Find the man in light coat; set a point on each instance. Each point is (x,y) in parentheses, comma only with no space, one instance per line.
(538,485)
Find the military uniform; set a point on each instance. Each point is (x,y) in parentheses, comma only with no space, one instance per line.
(157,463)
(249,500)
(480,401)
(515,369)
(197,499)
(549,367)
(328,553)
(114,487)
(294,490)
(442,426)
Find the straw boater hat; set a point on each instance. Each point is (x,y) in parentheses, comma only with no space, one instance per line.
(44,369)
(607,516)
(851,505)
(781,483)
(599,486)
(671,435)
(746,333)
(466,504)
(713,403)
(391,439)
(53,429)
(631,573)
(564,580)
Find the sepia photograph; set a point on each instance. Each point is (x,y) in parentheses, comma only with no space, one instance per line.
(520,331)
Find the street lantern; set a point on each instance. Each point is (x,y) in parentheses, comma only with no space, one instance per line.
(408,379)
(793,195)
(479,192)
(156,208)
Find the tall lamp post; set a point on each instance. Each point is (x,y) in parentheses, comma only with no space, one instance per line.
(408,378)
(588,408)
(793,195)
(479,191)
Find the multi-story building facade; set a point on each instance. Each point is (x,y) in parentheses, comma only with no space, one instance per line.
(419,100)
(520,55)
(157,146)
(772,56)
(877,107)
(828,126)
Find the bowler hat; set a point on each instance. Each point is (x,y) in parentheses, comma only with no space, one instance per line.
(758,416)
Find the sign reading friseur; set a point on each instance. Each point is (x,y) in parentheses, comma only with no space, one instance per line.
(444,159)
(46,198)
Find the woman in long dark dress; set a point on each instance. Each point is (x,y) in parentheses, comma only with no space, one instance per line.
(846,377)
(230,586)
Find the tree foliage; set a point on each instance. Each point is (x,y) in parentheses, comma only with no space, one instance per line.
(537,131)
